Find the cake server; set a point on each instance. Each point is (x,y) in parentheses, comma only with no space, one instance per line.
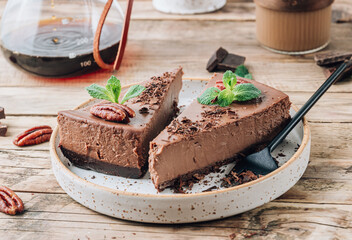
(262,162)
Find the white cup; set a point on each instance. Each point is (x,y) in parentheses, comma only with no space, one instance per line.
(188,6)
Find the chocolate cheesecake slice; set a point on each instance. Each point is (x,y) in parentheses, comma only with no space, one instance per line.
(204,136)
(115,148)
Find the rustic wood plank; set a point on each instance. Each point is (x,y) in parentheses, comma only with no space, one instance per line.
(17,125)
(338,147)
(327,179)
(318,207)
(149,47)
(235,10)
(332,107)
(67,217)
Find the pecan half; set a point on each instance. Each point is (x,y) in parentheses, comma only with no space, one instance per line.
(10,203)
(33,136)
(112,112)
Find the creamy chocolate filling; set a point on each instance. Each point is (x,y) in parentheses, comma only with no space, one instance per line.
(205,135)
(93,143)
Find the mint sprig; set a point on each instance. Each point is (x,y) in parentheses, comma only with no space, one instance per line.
(232,92)
(225,97)
(132,92)
(245,92)
(242,71)
(229,79)
(208,96)
(112,91)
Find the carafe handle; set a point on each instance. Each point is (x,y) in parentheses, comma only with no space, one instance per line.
(123,41)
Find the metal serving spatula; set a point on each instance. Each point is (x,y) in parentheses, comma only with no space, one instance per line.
(262,162)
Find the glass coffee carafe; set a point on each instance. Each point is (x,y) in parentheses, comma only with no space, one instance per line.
(54,38)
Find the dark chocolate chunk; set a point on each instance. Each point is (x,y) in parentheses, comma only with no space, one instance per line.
(3,130)
(222,61)
(231,62)
(216,58)
(2,113)
(331,57)
(329,71)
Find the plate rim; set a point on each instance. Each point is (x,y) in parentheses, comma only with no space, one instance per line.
(305,140)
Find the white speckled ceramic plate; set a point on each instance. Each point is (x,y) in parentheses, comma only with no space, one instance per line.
(138,200)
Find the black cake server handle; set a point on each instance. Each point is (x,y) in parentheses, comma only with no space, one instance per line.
(344,67)
(262,162)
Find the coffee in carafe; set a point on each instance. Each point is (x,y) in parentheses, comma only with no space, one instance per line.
(55,39)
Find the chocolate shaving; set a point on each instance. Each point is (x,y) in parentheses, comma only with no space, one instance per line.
(144,110)
(155,89)
(218,112)
(186,127)
(234,179)
(210,189)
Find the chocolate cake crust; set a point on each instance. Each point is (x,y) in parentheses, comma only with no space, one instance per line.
(102,167)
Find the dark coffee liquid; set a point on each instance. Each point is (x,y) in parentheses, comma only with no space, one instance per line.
(59,50)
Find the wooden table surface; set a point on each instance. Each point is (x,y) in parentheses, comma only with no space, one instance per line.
(319,206)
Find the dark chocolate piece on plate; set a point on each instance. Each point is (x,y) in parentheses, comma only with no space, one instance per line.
(231,62)
(3,130)
(331,57)
(216,58)
(2,113)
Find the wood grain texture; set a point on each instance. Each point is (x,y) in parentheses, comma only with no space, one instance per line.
(296,221)
(145,56)
(328,178)
(333,107)
(319,206)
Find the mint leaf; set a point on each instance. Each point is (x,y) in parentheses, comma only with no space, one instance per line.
(225,97)
(248,76)
(241,71)
(98,92)
(229,79)
(232,92)
(207,98)
(245,92)
(112,91)
(113,88)
(132,92)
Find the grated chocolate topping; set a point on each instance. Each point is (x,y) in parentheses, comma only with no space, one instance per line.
(155,89)
(218,112)
(234,179)
(186,127)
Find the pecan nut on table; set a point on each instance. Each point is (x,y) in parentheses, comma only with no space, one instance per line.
(33,136)
(10,203)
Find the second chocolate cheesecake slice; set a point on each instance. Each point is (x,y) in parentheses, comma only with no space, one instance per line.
(121,148)
(204,136)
